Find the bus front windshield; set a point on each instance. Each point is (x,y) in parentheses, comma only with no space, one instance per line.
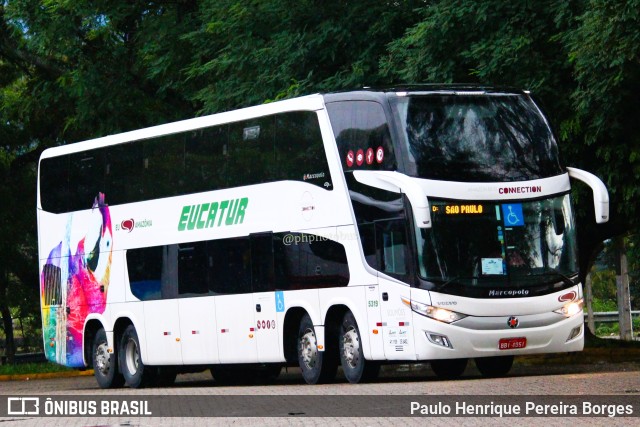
(491,138)
(498,245)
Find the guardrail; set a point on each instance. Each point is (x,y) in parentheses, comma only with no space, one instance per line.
(609,316)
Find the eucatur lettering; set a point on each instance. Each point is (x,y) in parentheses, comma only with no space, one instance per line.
(213,214)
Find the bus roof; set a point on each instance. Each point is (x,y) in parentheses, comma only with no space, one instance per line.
(304,103)
(308,103)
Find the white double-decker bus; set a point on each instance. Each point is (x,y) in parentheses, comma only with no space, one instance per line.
(427,223)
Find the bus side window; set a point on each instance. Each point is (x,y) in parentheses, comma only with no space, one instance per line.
(205,159)
(308,261)
(192,266)
(169,277)
(392,240)
(299,149)
(375,211)
(54,184)
(164,167)
(368,237)
(145,271)
(361,126)
(124,174)
(251,159)
(86,176)
(262,266)
(230,266)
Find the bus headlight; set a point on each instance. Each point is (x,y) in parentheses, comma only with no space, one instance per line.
(437,313)
(571,309)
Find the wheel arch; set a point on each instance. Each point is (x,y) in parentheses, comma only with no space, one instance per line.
(91,328)
(124,319)
(290,326)
(333,318)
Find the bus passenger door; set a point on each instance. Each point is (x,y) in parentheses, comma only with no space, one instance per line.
(266,333)
(264,298)
(234,306)
(196,307)
(391,240)
(152,277)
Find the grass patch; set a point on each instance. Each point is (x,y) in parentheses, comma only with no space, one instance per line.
(33,368)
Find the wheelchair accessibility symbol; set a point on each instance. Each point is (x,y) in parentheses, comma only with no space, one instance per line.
(513,215)
(279,301)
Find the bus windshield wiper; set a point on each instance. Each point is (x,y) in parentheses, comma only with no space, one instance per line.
(555,273)
(454,279)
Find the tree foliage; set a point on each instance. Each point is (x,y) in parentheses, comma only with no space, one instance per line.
(246,52)
(76,69)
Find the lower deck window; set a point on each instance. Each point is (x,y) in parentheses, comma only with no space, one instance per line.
(257,263)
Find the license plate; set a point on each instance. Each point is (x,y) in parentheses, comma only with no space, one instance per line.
(511,343)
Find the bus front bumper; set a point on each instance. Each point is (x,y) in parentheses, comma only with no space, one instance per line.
(438,340)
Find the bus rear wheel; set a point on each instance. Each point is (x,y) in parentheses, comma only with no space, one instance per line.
(497,366)
(316,366)
(136,375)
(449,368)
(356,369)
(105,363)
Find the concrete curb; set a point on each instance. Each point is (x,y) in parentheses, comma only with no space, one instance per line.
(588,356)
(46,375)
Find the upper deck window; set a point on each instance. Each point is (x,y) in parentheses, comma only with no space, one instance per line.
(285,146)
(362,133)
(476,138)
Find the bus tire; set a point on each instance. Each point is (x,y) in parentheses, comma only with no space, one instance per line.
(136,375)
(355,367)
(496,366)
(316,367)
(449,369)
(105,364)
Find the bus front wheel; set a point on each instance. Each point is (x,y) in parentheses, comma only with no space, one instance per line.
(316,367)
(105,363)
(136,375)
(356,368)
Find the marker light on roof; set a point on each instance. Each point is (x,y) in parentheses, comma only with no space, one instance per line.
(467,93)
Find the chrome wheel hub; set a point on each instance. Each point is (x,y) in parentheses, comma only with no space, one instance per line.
(132,356)
(309,349)
(351,347)
(103,359)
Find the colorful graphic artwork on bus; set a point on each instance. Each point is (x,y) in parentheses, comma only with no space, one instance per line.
(75,284)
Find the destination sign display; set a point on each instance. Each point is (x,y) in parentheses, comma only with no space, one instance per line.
(460,209)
